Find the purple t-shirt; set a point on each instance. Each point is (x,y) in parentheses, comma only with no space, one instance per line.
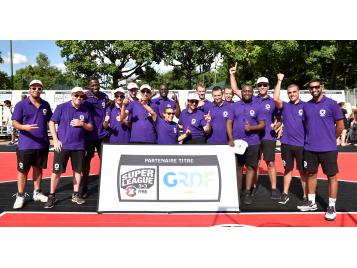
(142,124)
(293,120)
(243,113)
(219,116)
(167,132)
(160,104)
(320,120)
(97,107)
(26,113)
(72,138)
(269,112)
(119,132)
(195,121)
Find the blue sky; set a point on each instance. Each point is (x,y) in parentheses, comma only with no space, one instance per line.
(25,53)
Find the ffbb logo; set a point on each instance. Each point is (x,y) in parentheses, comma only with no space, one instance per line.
(137,180)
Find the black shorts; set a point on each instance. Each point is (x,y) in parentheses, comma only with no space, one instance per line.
(60,160)
(267,148)
(328,161)
(291,152)
(33,157)
(91,146)
(249,158)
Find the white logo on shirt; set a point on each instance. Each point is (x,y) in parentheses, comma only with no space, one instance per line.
(267,107)
(21,165)
(175,131)
(56,166)
(225,114)
(252,112)
(193,121)
(168,105)
(305,164)
(103,104)
(44,111)
(300,112)
(284,163)
(322,112)
(81,117)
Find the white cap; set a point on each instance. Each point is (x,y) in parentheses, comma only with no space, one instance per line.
(119,89)
(132,85)
(33,82)
(193,96)
(145,86)
(240,146)
(262,80)
(77,89)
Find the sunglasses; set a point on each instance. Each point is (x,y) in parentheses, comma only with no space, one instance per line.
(36,88)
(193,101)
(81,96)
(263,85)
(119,96)
(315,87)
(145,91)
(170,113)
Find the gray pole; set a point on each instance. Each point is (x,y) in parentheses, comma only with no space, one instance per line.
(12,67)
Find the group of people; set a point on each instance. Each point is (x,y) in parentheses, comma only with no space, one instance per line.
(81,125)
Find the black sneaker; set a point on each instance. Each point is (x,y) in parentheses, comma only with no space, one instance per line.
(51,201)
(284,199)
(302,201)
(247,198)
(275,194)
(76,198)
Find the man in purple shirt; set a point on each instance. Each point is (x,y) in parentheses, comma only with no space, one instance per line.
(73,120)
(163,102)
(119,130)
(292,141)
(244,122)
(219,114)
(141,117)
(96,102)
(31,117)
(133,91)
(194,120)
(324,123)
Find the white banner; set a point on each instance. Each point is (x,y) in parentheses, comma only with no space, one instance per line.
(168,178)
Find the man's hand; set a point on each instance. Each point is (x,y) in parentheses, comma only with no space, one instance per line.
(174,97)
(77,123)
(208,117)
(29,127)
(233,70)
(280,77)
(231,143)
(57,145)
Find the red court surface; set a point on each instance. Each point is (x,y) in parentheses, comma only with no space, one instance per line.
(311,219)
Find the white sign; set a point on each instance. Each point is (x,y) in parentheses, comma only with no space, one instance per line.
(168,178)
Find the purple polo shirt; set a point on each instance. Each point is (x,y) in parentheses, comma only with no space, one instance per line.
(26,113)
(119,132)
(219,116)
(195,121)
(243,113)
(160,104)
(142,124)
(72,138)
(320,120)
(293,120)
(97,107)
(269,112)
(167,132)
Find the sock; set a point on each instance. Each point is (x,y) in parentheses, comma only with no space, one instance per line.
(311,198)
(75,193)
(20,194)
(331,202)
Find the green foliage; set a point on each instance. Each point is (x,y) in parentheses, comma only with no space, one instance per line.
(5,82)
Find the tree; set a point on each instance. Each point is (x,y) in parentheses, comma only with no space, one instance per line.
(42,61)
(117,60)
(190,58)
(5,82)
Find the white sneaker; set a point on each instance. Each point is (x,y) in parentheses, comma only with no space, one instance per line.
(39,196)
(330,213)
(19,202)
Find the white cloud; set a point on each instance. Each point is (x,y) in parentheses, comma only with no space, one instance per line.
(61,67)
(16,57)
(162,67)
